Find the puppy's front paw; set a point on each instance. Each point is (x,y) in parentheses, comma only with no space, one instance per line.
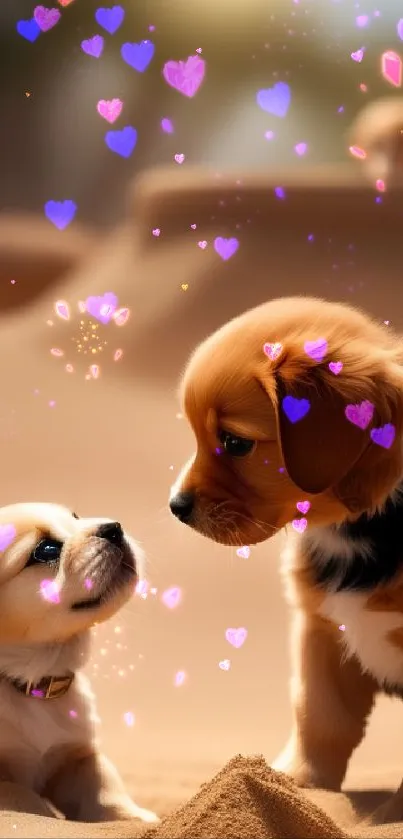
(116,810)
(304,773)
(144,815)
(127,810)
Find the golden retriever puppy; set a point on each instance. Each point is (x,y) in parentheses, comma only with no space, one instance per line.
(297,410)
(59,575)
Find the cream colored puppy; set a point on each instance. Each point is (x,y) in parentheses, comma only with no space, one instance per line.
(59,575)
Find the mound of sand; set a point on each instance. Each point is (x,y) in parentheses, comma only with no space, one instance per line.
(246,800)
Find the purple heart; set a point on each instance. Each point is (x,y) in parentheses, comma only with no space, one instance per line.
(110,19)
(102,308)
(295,409)
(7,535)
(167,125)
(275,100)
(122,142)
(399,28)
(93,46)
(225,247)
(46,18)
(185,76)
(60,213)
(316,349)
(28,29)
(361,414)
(384,436)
(139,55)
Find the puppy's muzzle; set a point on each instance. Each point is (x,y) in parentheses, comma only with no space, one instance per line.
(114,565)
(182,506)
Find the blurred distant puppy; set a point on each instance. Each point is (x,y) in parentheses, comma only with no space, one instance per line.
(376,138)
(297,410)
(59,575)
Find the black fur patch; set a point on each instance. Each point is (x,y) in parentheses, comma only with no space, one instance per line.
(384,533)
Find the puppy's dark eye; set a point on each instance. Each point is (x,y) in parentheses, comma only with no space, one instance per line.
(46,552)
(236,446)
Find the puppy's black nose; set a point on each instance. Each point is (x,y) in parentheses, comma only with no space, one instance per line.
(181,505)
(111,531)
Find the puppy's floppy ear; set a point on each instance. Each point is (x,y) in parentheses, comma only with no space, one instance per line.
(320,446)
(323,448)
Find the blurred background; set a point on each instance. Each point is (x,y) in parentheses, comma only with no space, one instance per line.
(52,143)
(276,86)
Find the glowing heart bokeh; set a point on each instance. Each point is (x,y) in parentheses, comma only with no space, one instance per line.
(7,535)
(172,597)
(236,636)
(185,76)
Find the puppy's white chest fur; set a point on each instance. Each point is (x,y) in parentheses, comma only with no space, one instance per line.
(34,733)
(365,634)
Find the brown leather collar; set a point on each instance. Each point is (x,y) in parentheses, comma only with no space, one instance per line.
(50,687)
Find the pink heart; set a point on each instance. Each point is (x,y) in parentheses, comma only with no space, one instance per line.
(102,308)
(156,231)
(391,68)
(50,591)
(361,414)
(202,244)
(358,55)
(171,597)
(336,367)
(383,436)
(110,109)
(121,316)
(299,525)
(46,18)
(225,664)
(272,350)
(300,149)
(185,76)
(316,349)
(243,552)
(193,226)
(236,637)
(62,309)
(7,535)
(179,158)
(303,506)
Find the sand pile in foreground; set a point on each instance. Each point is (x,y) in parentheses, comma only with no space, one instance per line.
(246,799)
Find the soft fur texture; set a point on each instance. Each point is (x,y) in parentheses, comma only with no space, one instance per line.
(50,745)
(348,637)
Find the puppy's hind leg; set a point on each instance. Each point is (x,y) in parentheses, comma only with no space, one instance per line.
(89,789)
(331,700)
